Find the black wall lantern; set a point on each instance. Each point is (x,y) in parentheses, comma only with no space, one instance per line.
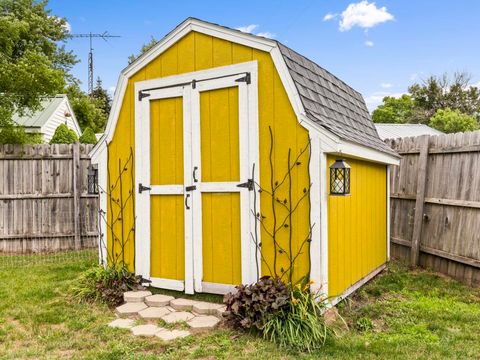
(93,179)
(340,178)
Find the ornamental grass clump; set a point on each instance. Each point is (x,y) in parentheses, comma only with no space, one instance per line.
(300,325)
(105,284)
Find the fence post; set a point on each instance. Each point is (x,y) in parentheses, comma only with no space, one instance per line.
(76,194)
(420,200)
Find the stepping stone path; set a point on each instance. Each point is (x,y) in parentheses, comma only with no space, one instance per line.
(142,305)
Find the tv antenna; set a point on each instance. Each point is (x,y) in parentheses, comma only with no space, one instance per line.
(103,36)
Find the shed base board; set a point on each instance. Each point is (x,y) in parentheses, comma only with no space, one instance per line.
(334,301)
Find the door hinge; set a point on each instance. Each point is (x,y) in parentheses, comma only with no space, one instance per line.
(249,184)
(247,79)
(191,188)
(142,188)
(194,84)
(141,95)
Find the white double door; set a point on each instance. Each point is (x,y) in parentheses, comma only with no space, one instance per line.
(196,146)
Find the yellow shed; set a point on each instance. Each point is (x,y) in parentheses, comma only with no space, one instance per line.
(228,156)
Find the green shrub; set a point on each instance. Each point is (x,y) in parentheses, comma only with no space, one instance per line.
(88,136)
(63,135)
(11,134)
(105,285)
(252,305)
(300,325)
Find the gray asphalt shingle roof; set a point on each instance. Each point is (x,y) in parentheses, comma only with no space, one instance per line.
(331,103)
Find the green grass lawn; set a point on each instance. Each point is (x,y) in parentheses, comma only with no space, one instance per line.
(398,315)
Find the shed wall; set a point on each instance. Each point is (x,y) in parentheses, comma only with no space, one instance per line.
(196,52)
(357,225)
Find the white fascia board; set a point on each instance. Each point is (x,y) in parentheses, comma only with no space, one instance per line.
(366,153)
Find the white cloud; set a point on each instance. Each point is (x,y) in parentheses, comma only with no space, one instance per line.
(329,16)
(67,26)
(266,34)
(248,28)
(369,43)
(386,85)
(364,15)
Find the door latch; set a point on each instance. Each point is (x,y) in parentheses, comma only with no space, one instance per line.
(249,184)
(191,188)
(142,188)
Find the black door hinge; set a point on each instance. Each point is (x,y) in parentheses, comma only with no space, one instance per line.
(141,95)
(142,188)
(248,184)
(247,79)
(191,188)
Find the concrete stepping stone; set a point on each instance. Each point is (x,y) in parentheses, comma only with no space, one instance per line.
(145,330)
(167,335)
(153,312)
(158,300)
(135,296)
(203,322)
(220,311)
(122,323)
(182,304)
(177,316)
(130,308)
(206,308)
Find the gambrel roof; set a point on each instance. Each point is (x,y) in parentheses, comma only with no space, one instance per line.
(317,96)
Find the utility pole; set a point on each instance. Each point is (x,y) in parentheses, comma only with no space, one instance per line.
(103,36)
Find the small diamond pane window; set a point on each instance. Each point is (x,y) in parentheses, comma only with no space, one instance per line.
(340,178)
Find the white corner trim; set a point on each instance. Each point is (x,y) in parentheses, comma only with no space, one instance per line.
(324,223)
(334,301)
(388,213)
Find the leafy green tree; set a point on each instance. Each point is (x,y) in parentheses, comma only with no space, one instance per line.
(11,134)
(441,92)
(394,110)
(33,63)
(88,111)
(63,135)
(143,49)
(88,137)
(102,97)
(452,121)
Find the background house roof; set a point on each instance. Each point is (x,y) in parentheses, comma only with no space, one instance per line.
(40,117)
(394,131)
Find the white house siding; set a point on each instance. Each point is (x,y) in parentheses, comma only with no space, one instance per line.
(58,118)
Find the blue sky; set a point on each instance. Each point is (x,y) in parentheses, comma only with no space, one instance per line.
(379,48)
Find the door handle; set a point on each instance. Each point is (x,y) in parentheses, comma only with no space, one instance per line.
(186,202)
(195,168)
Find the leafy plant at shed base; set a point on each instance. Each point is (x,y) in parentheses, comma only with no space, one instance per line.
(105,284)
(252,305)
(300,325)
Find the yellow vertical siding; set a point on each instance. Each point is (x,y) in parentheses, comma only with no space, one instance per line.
(197,52)
(357,225)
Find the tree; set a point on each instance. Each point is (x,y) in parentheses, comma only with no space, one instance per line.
(88,111)
(32,63)
(102,97)
(394,110)
(441,92)
(452,121)
(143,49)
(63,135)
(88,137)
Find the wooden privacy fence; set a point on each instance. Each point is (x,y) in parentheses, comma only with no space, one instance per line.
(44,204)
(435,204)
